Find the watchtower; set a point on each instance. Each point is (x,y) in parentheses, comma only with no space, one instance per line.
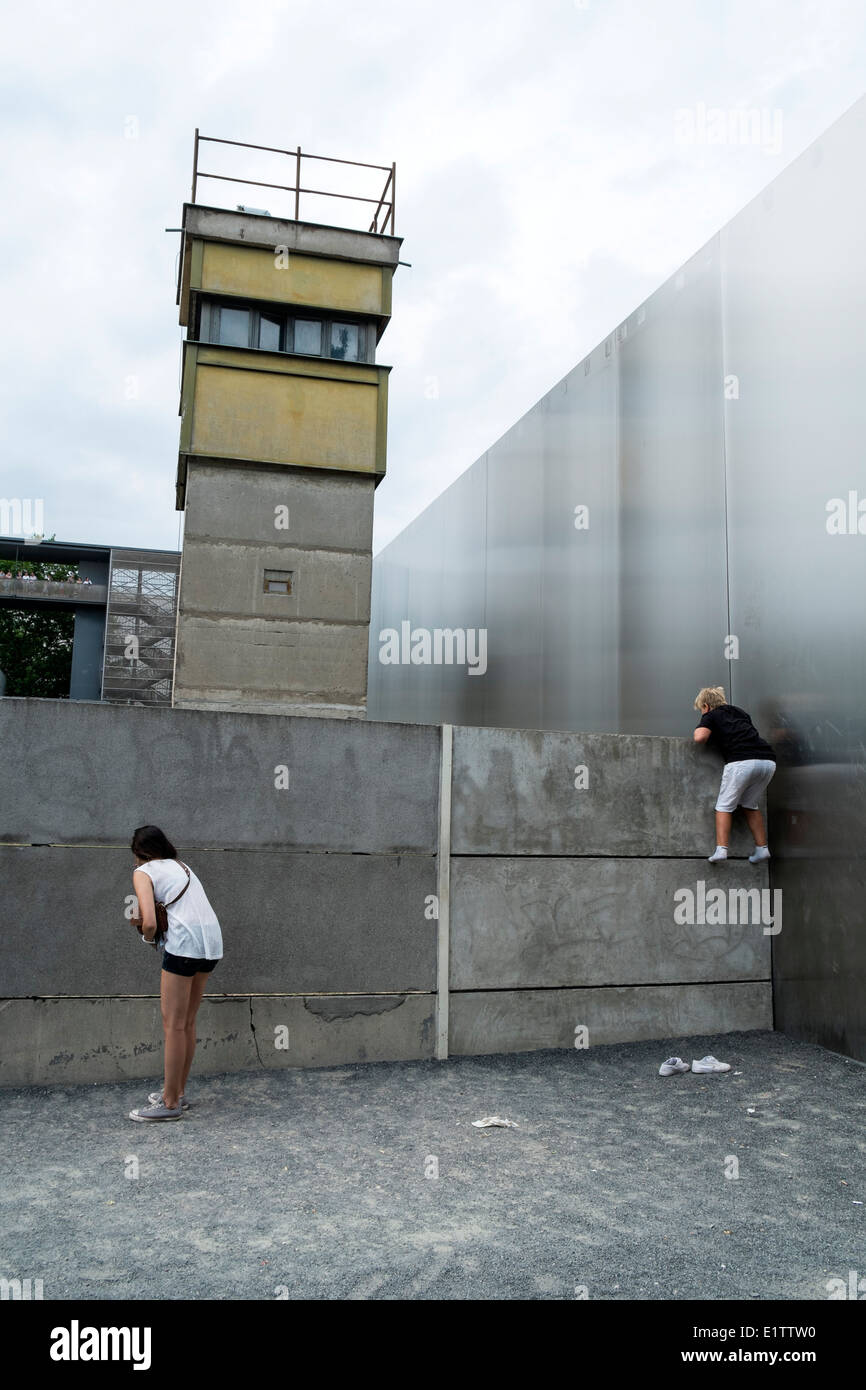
(282,444)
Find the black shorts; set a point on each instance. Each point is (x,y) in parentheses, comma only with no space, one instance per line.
(186,965)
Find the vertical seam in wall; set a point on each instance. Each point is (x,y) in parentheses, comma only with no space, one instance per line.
(773,1022)
(725,455)
(443,888)
(105,624)
(485,558)
(619,489)
(177,600)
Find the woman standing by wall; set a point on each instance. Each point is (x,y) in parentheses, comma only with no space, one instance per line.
(192,948)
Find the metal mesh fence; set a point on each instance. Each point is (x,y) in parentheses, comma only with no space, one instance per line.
(140,627)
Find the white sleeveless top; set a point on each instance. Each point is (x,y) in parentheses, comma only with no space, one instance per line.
(193,929)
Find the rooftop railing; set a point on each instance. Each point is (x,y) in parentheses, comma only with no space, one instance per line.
(383,205)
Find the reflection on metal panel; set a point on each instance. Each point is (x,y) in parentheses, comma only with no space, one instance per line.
(795,433)
(580,550)
(673,601)
(717,441)
(523,548)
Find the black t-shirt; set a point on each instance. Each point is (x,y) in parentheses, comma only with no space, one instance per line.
(734,734)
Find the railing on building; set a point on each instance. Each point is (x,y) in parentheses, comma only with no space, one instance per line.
(383,216)
(140,627)
(52,591)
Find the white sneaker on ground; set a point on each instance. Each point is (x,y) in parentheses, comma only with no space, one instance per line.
(719,855)
(155,1098)
(672,1066)
(710,1064)
(759,854)
(155,1112)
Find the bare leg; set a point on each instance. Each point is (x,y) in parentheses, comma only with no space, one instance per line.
(174,994)
(756,825)
(723,827)
(199,980)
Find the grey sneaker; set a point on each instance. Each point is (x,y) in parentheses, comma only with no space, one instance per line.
(155,1112)
(672,1066)
(155,1098)
(710,1064)
(759,854)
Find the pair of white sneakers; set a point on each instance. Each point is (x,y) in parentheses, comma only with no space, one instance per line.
(720,855)
(676,1064)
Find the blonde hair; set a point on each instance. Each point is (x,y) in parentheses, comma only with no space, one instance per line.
(712,695)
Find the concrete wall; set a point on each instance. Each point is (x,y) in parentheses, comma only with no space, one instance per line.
(559,904)
(820,958)
(241,648)
(562,899)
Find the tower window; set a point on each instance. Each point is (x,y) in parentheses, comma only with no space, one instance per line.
(234,327)
(269,332)
(274,331)
(308,337)
(344,341)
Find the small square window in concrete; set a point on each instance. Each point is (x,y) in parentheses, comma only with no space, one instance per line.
(278,581)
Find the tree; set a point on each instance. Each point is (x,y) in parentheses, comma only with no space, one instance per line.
(36,647)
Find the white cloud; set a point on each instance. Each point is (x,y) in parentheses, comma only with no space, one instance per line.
(541,193)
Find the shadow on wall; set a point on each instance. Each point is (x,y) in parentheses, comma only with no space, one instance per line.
(816,814)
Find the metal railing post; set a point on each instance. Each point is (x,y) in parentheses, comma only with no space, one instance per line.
(195,165)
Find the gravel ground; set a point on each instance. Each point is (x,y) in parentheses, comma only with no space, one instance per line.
(315,1182)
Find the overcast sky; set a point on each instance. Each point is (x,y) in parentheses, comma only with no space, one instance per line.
(548,181)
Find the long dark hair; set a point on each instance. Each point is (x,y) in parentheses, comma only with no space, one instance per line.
(149,842)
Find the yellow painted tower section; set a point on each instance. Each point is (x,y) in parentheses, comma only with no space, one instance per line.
(302,405)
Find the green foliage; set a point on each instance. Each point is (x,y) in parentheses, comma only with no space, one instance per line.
(36,647)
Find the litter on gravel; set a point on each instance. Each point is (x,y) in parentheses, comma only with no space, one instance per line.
(490,1120)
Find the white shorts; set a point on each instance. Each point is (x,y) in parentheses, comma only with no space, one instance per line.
(743,783)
